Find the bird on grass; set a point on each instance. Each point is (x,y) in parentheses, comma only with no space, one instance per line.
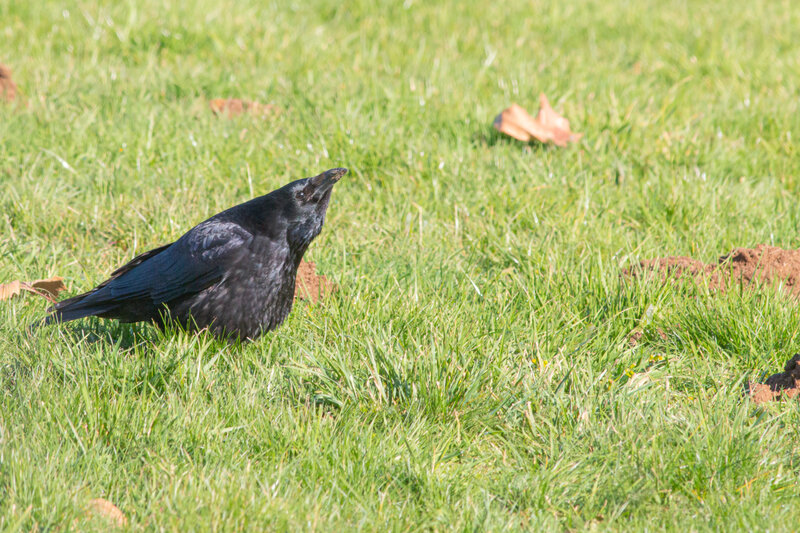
(233,274)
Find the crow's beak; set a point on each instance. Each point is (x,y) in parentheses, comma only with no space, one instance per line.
(329,177)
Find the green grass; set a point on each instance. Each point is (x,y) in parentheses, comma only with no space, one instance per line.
(473,370)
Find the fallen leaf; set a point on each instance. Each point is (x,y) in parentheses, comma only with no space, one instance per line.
(636,336)
(46,288)
(311,286)
(8,89)
(107,510)
(232,107)
(548,126)
(9,290)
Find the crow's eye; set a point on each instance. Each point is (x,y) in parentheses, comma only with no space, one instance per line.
(304,195)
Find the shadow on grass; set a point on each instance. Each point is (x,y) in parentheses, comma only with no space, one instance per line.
(126,336)
(109,333)
(144,358)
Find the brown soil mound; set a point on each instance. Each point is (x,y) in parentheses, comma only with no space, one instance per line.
(8,89)
(232,107)
(763,264)
(785,384)
(311,286)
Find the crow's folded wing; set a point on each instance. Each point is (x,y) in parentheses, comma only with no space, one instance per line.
(138,289)
(194,262)
(139,259)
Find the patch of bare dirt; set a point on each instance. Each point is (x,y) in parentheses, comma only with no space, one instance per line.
(311,286)
(784,384)
(8,89)
(232,107)
(762,265)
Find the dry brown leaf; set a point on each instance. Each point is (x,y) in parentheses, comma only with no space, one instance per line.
(51,287)
(8,89)
(9,290)
(107,510)
(548,126)
(636,336)
(232,107)
(311,286)
(46,288)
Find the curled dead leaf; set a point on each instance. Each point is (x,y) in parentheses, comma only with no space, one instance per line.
(8,89)
(232,107)
(106,509)
(46,288)
(547,126)
(635,336)
(311,286)
(9,290)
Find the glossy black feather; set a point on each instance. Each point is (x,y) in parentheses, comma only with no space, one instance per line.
(233,273)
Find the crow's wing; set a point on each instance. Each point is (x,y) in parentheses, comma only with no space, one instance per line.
(141,258)
(191,264)
(194,262)
(136,261)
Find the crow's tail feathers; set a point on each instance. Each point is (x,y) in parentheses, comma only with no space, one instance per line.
(100,301)
(77,307)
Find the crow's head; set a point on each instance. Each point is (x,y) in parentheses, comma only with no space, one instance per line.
(308,203)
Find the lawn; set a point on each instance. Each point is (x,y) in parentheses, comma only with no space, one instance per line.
(473,371)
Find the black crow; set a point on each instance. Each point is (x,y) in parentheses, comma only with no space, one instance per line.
(233,274)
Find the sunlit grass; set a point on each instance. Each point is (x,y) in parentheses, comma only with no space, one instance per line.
(473,371)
